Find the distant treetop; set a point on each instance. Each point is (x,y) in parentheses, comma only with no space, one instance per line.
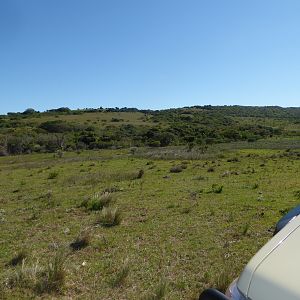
(29,111)
(61,109)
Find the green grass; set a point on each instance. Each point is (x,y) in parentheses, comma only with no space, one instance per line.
(183,227)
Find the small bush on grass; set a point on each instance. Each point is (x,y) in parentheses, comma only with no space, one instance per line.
(217,189)
(18,259)
(81,242)
(297,194)
(176,169)
(140,174)
(233,159)
(53,175)
(109,217)
(210,170)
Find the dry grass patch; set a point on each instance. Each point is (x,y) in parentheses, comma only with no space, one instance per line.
(49,278)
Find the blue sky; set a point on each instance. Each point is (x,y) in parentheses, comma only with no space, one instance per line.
(148,53)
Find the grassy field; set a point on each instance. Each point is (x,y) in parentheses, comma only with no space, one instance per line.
(177,233)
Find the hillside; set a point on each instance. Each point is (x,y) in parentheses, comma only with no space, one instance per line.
(198,126)
(179,200)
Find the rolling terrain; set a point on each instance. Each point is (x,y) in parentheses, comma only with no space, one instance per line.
(142,222)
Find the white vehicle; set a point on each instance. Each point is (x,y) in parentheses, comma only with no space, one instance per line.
(273,273)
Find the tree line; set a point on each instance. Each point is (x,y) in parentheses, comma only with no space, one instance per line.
(196,126)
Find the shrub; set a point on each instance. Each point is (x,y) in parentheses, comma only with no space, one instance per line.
(176,169)
(297,194)
(217,189)
(57,126)
(210,169)
(184,165)
(18,259)
(140,174)
(53,175)
(81,242)
(109,217)
(233,159)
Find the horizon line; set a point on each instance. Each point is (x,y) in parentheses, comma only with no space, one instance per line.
(148,109)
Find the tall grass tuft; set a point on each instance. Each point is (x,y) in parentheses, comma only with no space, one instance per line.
(121,275)
(40,279)
(99,201)
(109,217)
(24,276)
(223,280)
(159,292)
(245,229)
(52,278)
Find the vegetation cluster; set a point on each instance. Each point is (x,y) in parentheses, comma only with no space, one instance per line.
(64,129)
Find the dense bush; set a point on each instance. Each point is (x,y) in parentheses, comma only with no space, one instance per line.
(56,126)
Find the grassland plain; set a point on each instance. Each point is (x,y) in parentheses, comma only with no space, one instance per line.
(179,233)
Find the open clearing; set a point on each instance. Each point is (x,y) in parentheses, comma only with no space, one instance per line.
(180,231)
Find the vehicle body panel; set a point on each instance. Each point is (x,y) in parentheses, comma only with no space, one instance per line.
(273,273)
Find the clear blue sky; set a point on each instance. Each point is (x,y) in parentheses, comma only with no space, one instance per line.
(148,53)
